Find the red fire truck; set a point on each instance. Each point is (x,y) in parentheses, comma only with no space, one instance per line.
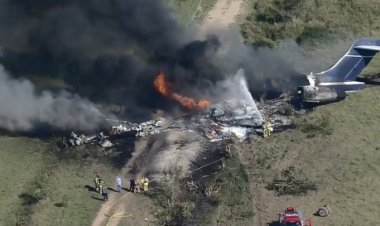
(293,217)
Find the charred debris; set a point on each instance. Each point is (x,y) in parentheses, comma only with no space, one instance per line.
(229,119)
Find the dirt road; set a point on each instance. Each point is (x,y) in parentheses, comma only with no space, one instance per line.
(222,16)
(126,205)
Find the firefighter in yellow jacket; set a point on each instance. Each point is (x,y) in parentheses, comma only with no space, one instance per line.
(145,183)
(97,182)
(267,129)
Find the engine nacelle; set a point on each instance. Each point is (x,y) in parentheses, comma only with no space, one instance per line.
(319,94)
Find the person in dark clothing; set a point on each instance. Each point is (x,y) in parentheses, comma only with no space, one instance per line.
(105,192)
(132,185)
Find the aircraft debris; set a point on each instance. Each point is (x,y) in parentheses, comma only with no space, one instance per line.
(105,143)
(100,139)
(233,118)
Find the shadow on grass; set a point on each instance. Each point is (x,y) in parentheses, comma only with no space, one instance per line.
(90,188)
(114,190)
(28,199)
(125,189)
(101,199)
(60,204)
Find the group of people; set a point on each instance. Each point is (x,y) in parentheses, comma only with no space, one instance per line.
(134,185)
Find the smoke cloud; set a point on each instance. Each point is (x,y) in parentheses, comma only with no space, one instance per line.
(22,108)
(110,52)
(93,45)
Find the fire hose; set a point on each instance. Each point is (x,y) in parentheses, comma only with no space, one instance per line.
(119,215)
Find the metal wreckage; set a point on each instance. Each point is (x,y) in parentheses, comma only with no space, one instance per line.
(229,119)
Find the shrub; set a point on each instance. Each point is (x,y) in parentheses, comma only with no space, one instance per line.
(290,182)
(316,125)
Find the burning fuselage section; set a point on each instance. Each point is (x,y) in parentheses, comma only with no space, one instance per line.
(315,93)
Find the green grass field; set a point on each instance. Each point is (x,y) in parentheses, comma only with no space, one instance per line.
(39,189)
(340,155)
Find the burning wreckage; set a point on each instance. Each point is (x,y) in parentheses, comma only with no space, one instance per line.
(233,118)
(241,118)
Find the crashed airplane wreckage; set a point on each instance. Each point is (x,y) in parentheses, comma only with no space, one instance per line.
(220,121)
(244,119)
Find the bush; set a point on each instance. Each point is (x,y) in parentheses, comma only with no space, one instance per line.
(290,182)
(35,193)
(176,209)
(316,125)
(312,34)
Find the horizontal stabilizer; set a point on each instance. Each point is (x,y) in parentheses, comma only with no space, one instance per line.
(368,47)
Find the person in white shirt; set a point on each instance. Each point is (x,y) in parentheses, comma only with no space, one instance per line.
(118,183)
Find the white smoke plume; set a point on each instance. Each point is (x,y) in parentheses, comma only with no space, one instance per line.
(23,108)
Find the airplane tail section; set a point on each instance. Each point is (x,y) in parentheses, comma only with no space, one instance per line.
(348,68)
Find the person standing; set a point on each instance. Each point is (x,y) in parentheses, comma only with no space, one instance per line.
(146,184)
(132,185)
(100,187)
(118,183)
(104,192)
(96,182)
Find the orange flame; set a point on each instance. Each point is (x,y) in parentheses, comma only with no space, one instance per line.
(163,87)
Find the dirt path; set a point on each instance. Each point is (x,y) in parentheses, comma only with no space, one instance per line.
(222,16)
(196,10)
(125,205)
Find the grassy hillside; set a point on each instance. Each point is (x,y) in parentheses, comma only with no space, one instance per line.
(20,168)
(39,189)
(309,21)
(337,148)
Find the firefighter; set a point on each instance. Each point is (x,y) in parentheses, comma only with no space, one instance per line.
(145,183)
(267,129)
(97,182)
(142,183)
(132,185)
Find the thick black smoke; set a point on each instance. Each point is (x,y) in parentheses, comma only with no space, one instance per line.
(110,51)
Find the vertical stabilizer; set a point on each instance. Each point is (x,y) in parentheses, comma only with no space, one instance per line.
(349,67)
